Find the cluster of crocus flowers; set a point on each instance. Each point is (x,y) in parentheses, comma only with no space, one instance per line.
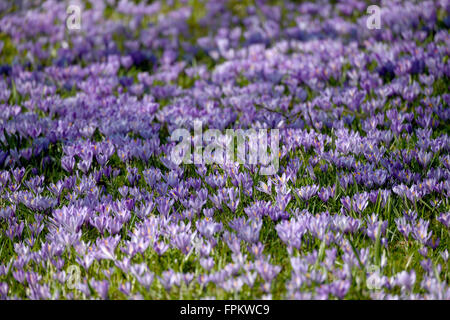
(92,207)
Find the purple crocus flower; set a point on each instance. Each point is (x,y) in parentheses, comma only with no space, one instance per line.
(405,279)
(444,218)
(360,202)
(267,271)
(106,247)
(307,192)
(101,287)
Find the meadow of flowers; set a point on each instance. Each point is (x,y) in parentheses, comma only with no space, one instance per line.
(93,207)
